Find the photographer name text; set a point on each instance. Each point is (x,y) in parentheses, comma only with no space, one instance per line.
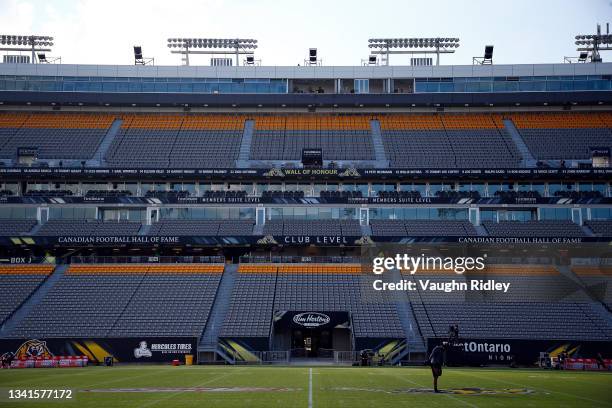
(428,285)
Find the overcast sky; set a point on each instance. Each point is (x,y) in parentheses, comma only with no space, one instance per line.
(103,31)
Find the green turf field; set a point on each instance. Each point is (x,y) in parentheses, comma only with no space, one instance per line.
(248,386)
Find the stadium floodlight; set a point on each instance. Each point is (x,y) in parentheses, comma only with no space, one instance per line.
(487,59)
(45,59)
(139,59)
(437,45)
(313,57)
(372,60)
(594,43)
(32,43)
(235,46)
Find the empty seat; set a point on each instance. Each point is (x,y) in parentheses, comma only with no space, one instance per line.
(563,136)
(17,283)
(53,135)
(545,228)
(125,301)
(89,228)
(177,141)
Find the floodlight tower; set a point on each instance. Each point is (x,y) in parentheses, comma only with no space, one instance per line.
(593,43)
(32,42)
(438,45)
(235,46)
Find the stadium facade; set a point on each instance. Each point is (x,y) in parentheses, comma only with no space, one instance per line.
(224,211)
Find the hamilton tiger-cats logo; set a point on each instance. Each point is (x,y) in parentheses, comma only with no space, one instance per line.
(33,348)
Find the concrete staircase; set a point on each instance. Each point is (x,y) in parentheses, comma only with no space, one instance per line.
(144,229)
(416,343)
(27,306)
(587,231)
(597,302)
(245,145)
(34,230)
(480,230)
(100,154)
(566,271)
(379,147)
(210,337)
(258,229)
(366,230)
(527,159)
(603,311)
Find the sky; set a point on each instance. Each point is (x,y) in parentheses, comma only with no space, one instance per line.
(104,31)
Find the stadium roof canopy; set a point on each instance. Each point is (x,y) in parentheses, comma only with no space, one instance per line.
(292,72)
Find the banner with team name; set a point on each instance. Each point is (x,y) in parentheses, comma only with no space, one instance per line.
(126,349)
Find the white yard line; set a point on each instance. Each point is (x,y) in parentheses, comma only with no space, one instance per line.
(174,394)
(310,388)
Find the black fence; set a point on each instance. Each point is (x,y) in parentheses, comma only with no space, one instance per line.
(299,259)
(145,259)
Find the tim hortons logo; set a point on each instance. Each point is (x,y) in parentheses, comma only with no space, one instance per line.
(311,319)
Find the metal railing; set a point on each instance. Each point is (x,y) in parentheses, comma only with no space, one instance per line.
(274,357)
(345,357)
(146,259)
(592,261)
(299,259)
(260,357)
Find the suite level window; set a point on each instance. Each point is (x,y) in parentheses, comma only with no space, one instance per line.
(362,86)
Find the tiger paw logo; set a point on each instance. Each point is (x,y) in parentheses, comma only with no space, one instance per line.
(268,239)
(274,172)
(33,348)
(364,240)
(350,172)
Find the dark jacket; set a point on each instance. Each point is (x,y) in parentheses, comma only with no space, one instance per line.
(437,356)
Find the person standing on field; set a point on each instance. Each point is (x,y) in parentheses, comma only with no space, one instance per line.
(436,360)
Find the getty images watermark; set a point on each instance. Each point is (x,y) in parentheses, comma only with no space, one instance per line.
(407,264)
(457,272)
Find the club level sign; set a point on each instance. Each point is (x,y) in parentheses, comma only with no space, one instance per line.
(311,319)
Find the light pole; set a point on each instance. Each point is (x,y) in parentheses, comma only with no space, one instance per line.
(32,42)
(438,45)
(237,46)
(593,43)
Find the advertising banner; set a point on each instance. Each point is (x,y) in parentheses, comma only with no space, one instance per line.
(311,319)
(275,173)
(477,352)
(123,350)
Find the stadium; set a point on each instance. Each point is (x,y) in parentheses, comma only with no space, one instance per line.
(236,234)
